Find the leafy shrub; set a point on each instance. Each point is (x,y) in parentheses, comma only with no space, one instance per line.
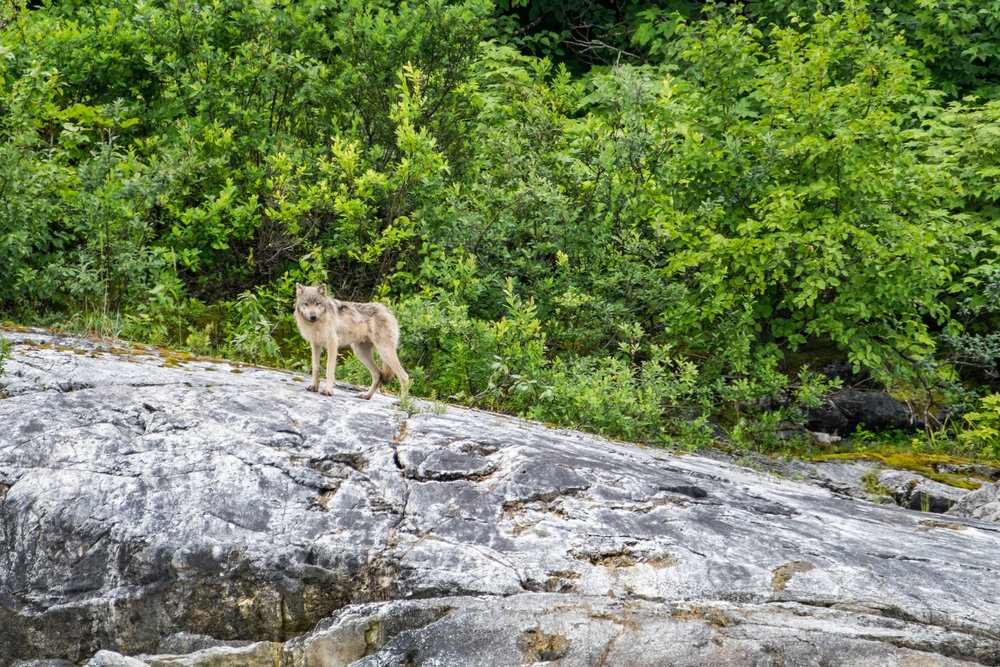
(621,250)
(613,397)
(981,433)
(250,330)
(164,315)
(4,352)
(784,214)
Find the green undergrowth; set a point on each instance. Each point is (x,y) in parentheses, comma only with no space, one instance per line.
(650,251)
(4,352)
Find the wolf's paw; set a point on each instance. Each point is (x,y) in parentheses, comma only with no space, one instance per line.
(312,387)
(326,392)
(364,395)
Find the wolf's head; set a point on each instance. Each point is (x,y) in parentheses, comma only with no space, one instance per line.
(311,302)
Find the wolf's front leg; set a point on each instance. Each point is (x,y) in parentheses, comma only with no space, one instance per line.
(317,349)
(331,368)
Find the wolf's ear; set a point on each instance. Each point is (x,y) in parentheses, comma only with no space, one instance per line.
(298,289)
(322,290)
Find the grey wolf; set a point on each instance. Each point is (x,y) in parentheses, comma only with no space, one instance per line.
(331,324)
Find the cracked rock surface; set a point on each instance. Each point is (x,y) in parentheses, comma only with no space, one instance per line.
(162,510)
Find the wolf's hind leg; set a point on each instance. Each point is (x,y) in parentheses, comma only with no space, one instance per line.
(364,352)
(393,367)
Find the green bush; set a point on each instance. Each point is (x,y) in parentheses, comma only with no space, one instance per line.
(981,432)
(4,352)
(621,249)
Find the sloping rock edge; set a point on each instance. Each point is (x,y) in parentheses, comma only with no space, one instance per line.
(580,630)
(670,559)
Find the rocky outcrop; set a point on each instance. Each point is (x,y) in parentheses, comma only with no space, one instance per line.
(871,478)
(163,510)
(911,490)
(844,411)
(983,504)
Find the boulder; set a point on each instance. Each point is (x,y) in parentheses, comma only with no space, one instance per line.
(982,504)
(863,479)
(164,510)
(916,492)
(845,410)
(828,418)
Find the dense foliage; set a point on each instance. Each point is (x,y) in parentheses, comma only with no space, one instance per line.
(686,210)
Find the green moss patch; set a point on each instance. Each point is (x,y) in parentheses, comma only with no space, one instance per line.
(936,467)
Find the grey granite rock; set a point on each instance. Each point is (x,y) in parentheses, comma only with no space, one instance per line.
(865,480)
(982,504)
(190,512)
(919,493)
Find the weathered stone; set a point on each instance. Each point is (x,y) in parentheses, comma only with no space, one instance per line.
(982,504)
(845,479)
(578,630)
(176,512)
(979,470)
(845,410)
(828,418)
(112,659)
(543,627)
(915,492)
(868,480)
(539,628)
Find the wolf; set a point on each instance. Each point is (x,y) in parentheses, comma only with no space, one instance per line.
(326,322)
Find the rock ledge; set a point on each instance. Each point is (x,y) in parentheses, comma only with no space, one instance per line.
(168,511)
